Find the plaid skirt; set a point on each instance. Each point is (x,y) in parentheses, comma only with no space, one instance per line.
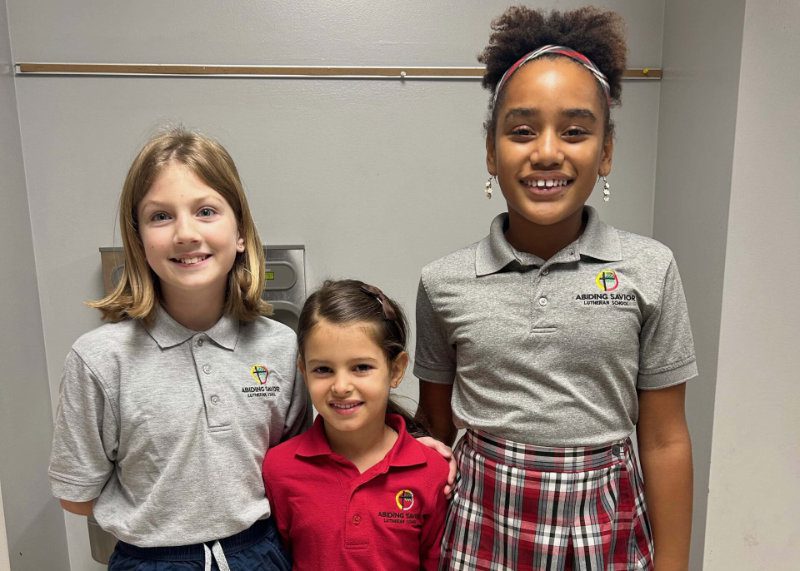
(518,506)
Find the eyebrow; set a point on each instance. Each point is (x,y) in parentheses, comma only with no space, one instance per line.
(158,204)
(580,113)
(572,113)
(354,359)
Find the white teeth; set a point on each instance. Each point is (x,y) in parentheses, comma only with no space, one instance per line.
(548,183)
(190,261)
(342,405)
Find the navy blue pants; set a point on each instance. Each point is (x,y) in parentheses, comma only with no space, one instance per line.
(255,549)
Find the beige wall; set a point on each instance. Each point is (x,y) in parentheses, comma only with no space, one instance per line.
(727,201)
(702,45)
(755,461)
(31,518)
(5,565)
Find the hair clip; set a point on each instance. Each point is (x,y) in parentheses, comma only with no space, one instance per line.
(389,313)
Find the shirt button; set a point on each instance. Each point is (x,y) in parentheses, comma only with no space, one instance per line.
(542,301)
(356,519)
(545,271)
(206,369)
(615,450)
(200,342)
(214,399)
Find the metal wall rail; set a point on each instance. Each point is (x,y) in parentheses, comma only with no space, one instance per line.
(267,71)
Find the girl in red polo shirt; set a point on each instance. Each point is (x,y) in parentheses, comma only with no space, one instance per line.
(357,491)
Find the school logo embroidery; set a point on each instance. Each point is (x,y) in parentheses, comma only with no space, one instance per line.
(607,280)
(404,500)
(260,373)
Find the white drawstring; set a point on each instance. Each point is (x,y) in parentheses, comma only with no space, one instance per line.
(215,553)
(207,557)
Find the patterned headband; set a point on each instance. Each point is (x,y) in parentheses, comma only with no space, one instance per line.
(560,50)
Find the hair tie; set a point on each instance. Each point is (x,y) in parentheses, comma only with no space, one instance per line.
(389,313)
(560,50)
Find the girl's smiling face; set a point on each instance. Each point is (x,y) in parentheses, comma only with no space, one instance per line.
(349,377)
(549,145)
(189,234)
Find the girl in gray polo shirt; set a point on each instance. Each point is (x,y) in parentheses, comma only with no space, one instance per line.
(166,412)
(554,337)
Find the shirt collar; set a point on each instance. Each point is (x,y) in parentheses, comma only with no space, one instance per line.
(599,241)
(169,333)
(494,252)
(403,453)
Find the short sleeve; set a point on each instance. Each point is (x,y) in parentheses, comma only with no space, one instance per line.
(433,529)
(435,357)
(85,435)
(276,497)
(666,346)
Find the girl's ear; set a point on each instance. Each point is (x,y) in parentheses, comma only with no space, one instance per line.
(240,244)
(398,369)
(605,159)
(491,164)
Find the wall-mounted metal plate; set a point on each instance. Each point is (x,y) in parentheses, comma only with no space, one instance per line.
(279,275)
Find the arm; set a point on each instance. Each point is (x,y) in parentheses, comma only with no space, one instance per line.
(79,508)
(435,410)
(665,451)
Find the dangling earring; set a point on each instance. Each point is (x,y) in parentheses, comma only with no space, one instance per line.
(606,189)
(488,188)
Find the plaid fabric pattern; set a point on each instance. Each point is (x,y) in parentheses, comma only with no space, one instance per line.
(519,506)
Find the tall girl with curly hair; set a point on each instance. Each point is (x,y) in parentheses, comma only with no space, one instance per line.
(553,338)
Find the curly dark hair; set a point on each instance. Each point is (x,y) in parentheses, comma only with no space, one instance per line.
(597,34)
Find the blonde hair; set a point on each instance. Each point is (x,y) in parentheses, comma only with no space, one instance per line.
(137,292)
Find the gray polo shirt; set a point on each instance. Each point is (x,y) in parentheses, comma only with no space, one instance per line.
(552,352)
(167,427)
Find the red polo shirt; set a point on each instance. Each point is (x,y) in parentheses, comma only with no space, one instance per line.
(332,517)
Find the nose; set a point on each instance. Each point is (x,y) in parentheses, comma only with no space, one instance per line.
(186,230)
(546,152)
(341,385)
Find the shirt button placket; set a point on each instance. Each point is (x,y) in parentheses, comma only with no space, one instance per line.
(357,526)
(215,405)
(539,299)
